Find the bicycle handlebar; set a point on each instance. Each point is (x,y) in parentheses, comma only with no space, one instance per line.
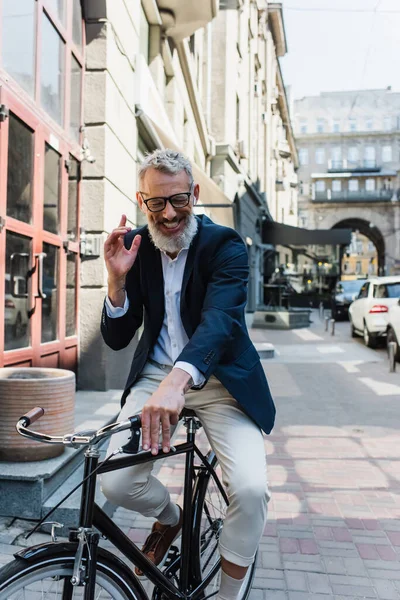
(76,439)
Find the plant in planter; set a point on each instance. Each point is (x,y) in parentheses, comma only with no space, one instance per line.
(21,389)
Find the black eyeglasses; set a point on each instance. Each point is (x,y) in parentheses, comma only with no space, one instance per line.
(176,200)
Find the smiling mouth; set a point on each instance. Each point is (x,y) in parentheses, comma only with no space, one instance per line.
(171,225)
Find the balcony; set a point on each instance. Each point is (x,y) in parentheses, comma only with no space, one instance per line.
(181,18)
(348,166)
(353,196)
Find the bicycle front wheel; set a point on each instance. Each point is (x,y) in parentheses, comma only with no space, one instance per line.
(210,505)
(49,578)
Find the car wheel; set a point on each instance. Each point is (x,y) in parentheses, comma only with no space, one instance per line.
(369,339)
(391,337)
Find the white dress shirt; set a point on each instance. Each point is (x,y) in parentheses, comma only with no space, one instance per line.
(172,338)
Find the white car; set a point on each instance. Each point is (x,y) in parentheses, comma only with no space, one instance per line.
(369,313)
(393,328)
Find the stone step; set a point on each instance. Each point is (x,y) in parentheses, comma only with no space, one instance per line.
(26,486)
(265,350)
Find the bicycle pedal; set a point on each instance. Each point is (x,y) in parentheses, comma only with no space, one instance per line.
(172,555)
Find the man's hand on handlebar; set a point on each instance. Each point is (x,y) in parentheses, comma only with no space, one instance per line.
(163,409)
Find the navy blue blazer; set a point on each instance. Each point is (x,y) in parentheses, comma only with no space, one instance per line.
(213,300)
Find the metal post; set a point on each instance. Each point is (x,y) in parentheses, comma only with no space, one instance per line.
(326,323)
(392,347)
(321,311)
(333,326)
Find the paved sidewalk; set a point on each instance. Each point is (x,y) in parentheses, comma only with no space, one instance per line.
(333,530)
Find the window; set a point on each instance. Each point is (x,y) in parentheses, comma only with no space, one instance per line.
(303,156)
(387,154)
(369,156)
(353,185)
(18,41)
(364,290)
(336,185)
(303,126)
(320,186)
(358,267)
(370,185)
(320,156)
(336,126)
(58,8)
(320,125)
(77,25)
(352,124)
(369,123)
(51,190)
(387,123)
(52,71)
(353,154)
(75,99)
(337,153)
(19,170)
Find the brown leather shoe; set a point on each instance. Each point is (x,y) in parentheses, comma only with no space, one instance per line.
(159,541)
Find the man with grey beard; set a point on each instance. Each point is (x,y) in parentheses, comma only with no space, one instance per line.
(186,277)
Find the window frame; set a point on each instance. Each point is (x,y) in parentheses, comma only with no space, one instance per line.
(43,8)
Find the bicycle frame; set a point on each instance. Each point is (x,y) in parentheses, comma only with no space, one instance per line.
(92,515)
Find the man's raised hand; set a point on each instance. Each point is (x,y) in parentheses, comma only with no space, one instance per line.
(118,259)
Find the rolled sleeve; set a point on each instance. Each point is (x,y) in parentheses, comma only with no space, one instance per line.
(198,378)
(116,311)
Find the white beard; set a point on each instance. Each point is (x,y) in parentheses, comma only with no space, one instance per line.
(174,243)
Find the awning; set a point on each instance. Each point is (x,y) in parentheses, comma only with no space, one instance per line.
(210,193)
(286,235)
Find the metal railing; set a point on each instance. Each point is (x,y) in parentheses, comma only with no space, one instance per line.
(353,196)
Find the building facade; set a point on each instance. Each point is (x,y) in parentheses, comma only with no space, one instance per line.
(256,159)
(349,156)
(87,88)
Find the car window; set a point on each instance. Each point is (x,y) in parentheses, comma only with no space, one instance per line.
(364,291)
(393,290)
(381,291)
(8,286)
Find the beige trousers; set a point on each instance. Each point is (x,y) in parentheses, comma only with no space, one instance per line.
(238,444)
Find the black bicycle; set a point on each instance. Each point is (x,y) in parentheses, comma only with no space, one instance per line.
(82,569)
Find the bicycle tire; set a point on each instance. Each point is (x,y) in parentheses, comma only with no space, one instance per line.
(207,528)
(112,576)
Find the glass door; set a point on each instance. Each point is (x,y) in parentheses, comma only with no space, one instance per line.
(18,159)
(39,208)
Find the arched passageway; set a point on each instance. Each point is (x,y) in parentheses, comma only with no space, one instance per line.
(371,232)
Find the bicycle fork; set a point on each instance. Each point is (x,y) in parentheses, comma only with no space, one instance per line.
(88,540)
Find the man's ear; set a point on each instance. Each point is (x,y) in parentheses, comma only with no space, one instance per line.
(140,202)
(196,194)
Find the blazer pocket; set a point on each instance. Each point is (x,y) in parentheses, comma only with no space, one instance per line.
(248,359)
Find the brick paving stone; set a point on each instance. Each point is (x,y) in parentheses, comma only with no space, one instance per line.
(308,547)
(386,553)
(386,589)
(296,581)
(394,537)
(289,545)
(355,591)
(319,583)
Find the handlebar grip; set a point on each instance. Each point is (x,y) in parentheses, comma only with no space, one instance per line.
(33,415)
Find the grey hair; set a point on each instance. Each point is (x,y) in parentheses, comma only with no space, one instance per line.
(167,161)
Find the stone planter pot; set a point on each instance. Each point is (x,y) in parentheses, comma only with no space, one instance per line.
(21,389)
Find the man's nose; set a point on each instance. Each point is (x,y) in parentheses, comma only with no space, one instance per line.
(169,212)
